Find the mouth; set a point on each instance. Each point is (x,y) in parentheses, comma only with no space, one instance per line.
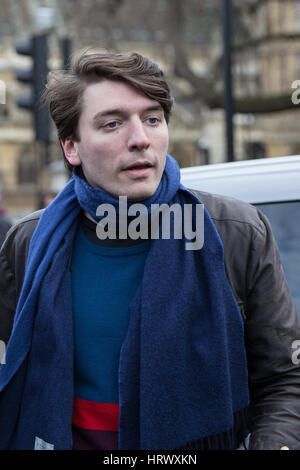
(139,169)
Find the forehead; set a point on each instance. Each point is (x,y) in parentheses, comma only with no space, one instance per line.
(111,95)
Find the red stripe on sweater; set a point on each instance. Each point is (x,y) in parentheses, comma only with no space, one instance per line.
(93,415)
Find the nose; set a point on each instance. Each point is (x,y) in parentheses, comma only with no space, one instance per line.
(138,139)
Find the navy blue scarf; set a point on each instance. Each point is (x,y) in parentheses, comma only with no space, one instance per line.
(183,375)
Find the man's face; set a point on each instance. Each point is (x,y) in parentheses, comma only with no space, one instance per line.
(123,140)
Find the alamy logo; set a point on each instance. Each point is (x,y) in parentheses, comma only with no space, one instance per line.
(296,353)
(40,444)
(296,94)
(163,221)
(2,92)
(2,352)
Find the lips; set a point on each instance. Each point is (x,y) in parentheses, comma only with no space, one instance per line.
(138,166)
(139,169)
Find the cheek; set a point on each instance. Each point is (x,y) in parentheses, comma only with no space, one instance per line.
(163,139)
(94,154)
(101,161)
(105,148)
(163,148)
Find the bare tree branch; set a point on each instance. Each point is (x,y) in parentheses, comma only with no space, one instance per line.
(203,87)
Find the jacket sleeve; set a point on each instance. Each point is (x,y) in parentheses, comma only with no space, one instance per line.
(8,297)
(271,331)
(13,257)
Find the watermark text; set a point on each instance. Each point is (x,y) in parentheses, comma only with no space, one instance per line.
(162,221)
(296,352)
(2,92)
(2,352)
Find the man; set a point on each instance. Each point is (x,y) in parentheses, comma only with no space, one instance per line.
(121,341)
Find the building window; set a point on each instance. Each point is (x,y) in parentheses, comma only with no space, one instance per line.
(255,150)
(297,14)
(282,15)
(298,66)
(27,172)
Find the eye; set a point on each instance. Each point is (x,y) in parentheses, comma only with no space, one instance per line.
(153,120)
(111,125)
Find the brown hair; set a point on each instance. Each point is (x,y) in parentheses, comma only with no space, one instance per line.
(65,88)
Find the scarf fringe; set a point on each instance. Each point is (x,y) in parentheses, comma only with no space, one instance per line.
(227,440)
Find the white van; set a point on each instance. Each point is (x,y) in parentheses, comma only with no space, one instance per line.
(271,184)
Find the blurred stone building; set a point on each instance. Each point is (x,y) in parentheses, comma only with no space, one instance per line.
(264,68)
(265,72)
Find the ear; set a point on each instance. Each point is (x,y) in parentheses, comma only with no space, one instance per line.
(71,152)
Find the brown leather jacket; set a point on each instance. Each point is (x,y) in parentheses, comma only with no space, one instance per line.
(255,274)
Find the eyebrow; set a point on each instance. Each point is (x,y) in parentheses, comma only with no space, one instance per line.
(123,112)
